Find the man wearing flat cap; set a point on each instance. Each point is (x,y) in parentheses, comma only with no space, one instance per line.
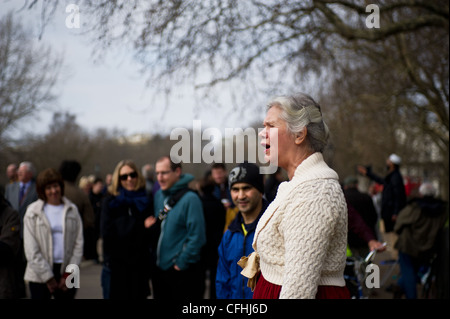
(393,197)
(247,189)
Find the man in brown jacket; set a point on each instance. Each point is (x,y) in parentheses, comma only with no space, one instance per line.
(417,226)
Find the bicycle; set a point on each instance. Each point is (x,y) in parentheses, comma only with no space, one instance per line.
(427,275)
(356,273)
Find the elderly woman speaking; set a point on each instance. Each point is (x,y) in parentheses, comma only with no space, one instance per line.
(300,241)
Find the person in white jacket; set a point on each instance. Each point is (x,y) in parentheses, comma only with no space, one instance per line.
(53,239)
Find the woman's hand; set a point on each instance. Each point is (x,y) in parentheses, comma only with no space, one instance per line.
(52,285)
(149,221)
(62,284)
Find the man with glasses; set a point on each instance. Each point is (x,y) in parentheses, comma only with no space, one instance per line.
(178,270)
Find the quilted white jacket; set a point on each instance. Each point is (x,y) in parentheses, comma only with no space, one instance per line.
(38,243)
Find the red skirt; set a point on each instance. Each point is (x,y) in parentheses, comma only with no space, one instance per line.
(267,290)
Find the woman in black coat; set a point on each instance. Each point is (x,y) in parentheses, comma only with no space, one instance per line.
(125,239)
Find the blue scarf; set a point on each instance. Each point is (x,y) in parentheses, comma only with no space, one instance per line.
(130,198)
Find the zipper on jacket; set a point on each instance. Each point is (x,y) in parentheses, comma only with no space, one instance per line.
(243,254)
(158,247)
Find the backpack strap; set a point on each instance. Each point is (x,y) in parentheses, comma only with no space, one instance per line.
(177,196)
(171,201)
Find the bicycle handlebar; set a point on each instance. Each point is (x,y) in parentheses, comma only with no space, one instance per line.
(372,253)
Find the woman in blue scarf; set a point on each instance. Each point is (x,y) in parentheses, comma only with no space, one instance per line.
(125,238)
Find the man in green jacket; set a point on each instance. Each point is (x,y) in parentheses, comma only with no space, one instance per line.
(178,272)
(418,226)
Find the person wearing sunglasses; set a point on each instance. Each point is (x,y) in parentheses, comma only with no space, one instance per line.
(126,272)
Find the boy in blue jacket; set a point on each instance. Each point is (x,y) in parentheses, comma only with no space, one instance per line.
(247,189)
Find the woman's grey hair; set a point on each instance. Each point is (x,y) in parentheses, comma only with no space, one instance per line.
(299,111)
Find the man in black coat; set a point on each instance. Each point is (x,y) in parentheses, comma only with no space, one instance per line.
(10,251)
(393,197)
(19,195)
(363,204)
(23,192)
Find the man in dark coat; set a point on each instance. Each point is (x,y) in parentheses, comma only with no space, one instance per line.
(363,205)
(393,196)
(214,212)
(10,244)
(21,194)
(69,170)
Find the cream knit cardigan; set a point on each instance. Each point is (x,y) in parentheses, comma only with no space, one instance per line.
(301,238)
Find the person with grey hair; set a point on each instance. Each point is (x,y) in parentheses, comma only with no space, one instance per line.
(418,226)
(427,190)
(300,241)
(21,194)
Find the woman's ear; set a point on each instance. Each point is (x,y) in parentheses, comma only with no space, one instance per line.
(300,136)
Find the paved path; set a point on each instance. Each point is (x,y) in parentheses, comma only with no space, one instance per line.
(90,285)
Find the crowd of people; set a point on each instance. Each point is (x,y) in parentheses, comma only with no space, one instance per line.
(159,232)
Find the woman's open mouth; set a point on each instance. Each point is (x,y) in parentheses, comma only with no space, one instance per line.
(266,147)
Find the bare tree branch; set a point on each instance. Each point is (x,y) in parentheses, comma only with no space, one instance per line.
(28,74)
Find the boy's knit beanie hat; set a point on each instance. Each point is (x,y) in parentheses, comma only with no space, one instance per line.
(246,173)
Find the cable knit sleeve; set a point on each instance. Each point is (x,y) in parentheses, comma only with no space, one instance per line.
(308,228)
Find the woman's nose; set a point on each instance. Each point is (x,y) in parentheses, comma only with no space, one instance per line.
(262,133)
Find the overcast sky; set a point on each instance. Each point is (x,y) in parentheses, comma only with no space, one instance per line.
(112,94)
